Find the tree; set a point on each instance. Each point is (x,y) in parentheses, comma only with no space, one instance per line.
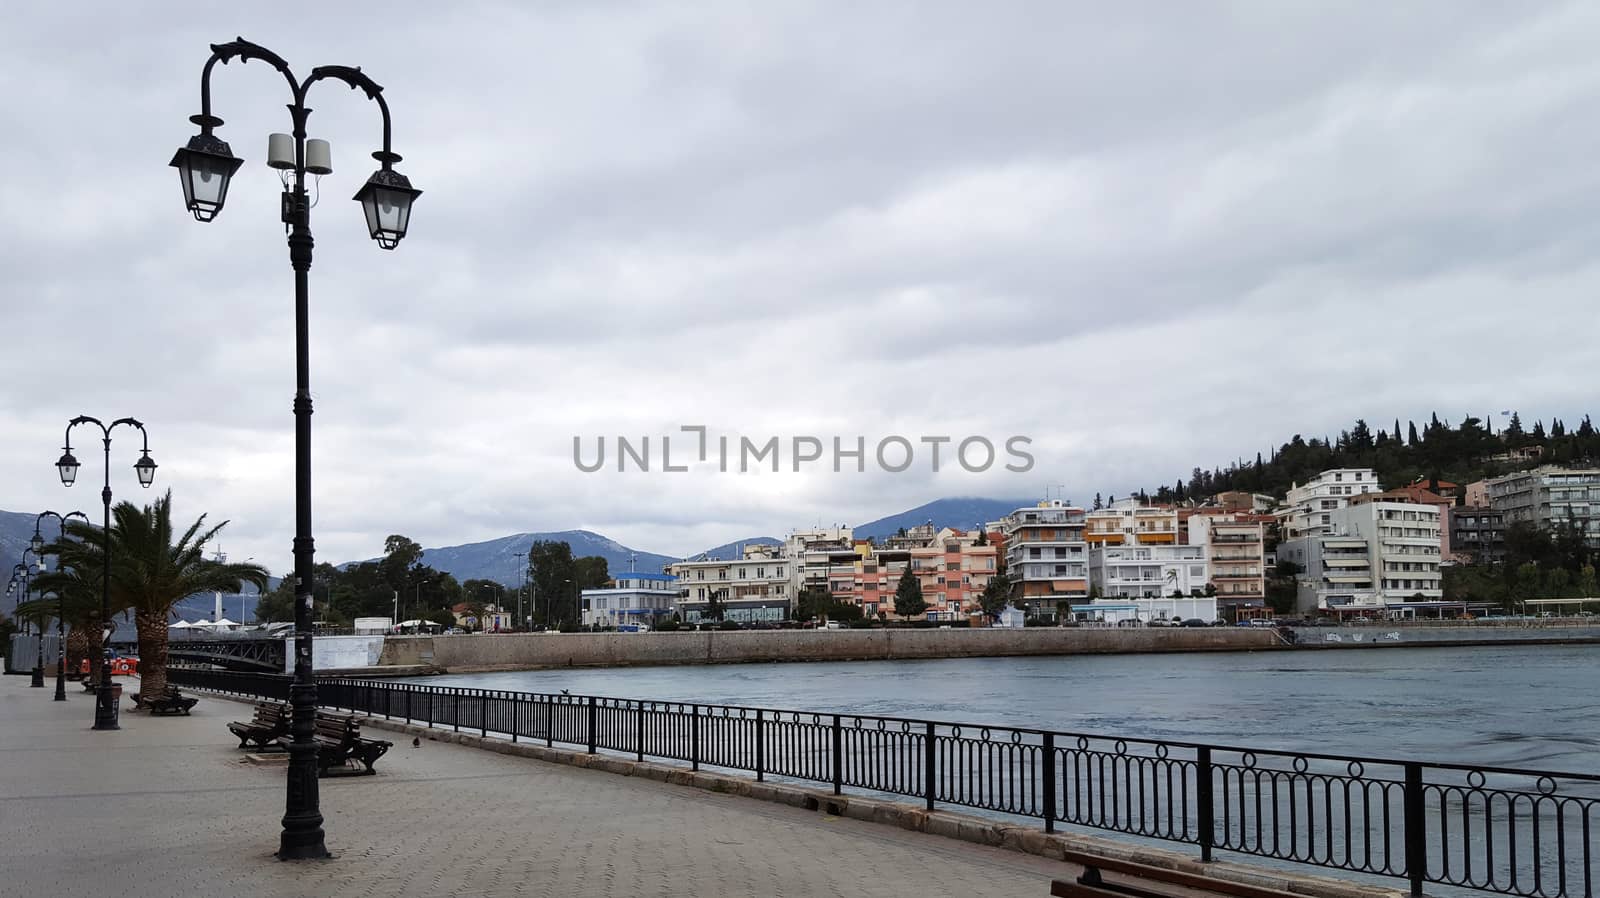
(552,571)
(77,599)
(811,603)
(1098,504)
(150,572)
(715,609)
(908,601)
(996,593)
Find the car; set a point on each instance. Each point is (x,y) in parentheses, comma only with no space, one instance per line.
(1194,622)
(1219,622)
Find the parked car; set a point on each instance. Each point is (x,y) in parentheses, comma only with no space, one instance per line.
(1194,622)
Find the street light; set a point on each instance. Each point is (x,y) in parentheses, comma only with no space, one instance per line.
(205,167)
(37,544)
(105,704)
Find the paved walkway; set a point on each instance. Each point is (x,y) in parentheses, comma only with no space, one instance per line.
(168,807)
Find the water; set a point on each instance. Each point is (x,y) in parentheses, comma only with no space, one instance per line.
(1512,706)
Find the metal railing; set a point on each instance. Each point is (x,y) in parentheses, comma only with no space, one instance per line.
(1510,831)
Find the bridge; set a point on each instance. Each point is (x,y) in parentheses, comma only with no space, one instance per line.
(245,653)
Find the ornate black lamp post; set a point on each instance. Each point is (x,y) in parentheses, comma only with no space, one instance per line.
(105,703)
(36,680)
(19,577)
(37,544)
(205,167)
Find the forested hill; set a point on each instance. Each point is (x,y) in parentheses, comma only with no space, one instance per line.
(1461,453)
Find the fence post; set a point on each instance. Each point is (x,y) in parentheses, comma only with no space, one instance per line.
(430,707)
(1049,749)
(1416,828)
(483,714)
(408,709)
(549,721)
(639,728)
(838,756)
(593,717)
(516,716)
(694,738)
(761,744)
(1205,797)
(455,711)
(929,760)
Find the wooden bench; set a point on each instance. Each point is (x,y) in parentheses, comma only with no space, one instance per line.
(168,701)
(338,738)
(271,720)
(1148,881)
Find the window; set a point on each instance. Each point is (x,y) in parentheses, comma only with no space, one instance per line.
(1338,477)
(700,574)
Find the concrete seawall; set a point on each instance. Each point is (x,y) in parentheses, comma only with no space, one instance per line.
(1369,637)
(533,650)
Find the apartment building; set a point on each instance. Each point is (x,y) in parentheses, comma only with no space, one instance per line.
(819,556)
(1477,534)
(1147,572)
(632,598)
(1128,522)
(1047,557)
(1550,496)
(1308,506)
(1234,545)
(953,567)
(1377,558)
(752,588)
(1417,495)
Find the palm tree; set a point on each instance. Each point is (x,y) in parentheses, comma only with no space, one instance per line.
(150,573)
(79,602)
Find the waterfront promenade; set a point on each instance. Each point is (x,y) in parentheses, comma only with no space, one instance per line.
(168,806)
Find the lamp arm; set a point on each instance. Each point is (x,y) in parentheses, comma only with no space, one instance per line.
(356,78)
(245,51)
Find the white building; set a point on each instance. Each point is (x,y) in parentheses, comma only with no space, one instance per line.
(1548,497)
(821,558)
(633,598)
(1115,611)
(1308,507)
(1375,559)
(1047,557)
(755,587)
(1235,550)
(1148,572)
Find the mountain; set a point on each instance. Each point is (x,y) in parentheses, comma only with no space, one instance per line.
(495,558)
(16,529)
(961,513)
(735,549)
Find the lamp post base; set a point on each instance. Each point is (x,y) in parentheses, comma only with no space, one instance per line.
(38,678)
(61,685)
(105,707)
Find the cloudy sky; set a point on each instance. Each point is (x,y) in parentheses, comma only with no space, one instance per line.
(1148,236)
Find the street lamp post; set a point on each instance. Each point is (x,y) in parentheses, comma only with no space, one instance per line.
(205,166)
(37,544)
(19,578)
(36,678)
(105,704)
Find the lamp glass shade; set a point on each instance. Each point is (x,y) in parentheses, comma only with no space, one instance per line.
(146,469)
(68,468)
(37,544)
(386,200)
(205,167)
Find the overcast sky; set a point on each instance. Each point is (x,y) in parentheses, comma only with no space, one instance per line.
(1148,236)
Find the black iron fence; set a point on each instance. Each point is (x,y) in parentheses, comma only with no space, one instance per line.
(1517,832)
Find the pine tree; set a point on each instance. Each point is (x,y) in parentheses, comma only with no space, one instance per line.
(1098,504)
(908,601)
(1411,438)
